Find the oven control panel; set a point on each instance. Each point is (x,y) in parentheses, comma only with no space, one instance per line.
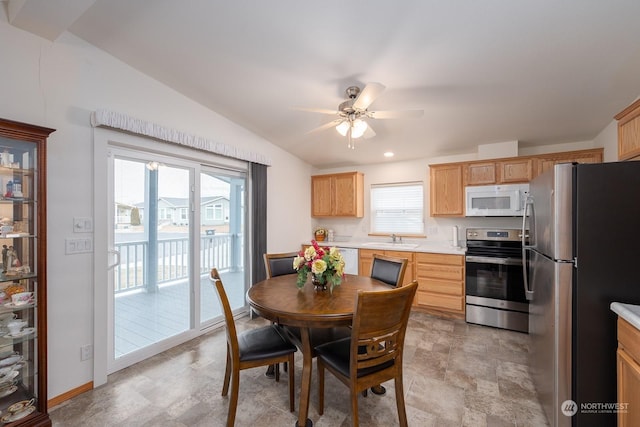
(504,234)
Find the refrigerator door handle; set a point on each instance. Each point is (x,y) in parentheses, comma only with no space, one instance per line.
(528,203)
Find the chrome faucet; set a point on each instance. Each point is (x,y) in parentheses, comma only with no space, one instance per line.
(393,238)
(396,239)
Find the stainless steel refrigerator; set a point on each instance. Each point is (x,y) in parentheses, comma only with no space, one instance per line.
(582,256)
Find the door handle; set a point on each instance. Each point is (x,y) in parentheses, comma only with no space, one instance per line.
(528,293)
(117,258)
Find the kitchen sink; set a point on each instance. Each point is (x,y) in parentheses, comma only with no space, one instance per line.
(390,245)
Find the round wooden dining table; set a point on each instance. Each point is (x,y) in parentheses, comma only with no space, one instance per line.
(279,300)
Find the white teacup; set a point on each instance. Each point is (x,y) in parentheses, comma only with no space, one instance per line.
(15,326)
(22,298)
(6,318)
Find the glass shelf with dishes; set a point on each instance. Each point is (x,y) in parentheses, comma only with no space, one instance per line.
(23,349)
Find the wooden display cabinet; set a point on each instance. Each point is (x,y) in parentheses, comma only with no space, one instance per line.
(23,354)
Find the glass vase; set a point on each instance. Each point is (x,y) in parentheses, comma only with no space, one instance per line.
(317,282)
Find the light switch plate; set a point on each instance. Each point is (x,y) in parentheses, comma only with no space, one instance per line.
(82,225)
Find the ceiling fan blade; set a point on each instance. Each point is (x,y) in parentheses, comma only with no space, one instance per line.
(317,110)
(395,114)
(332,123)
(369,133)
(370,92)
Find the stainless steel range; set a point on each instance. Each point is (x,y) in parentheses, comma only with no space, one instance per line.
(495,280)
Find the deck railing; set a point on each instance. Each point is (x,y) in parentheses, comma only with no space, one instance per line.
(173,259)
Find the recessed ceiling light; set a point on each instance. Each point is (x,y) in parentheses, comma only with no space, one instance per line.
(388,154)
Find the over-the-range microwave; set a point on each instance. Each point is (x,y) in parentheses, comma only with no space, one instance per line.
(496,200)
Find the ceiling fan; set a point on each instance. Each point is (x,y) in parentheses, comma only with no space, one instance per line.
(353,112)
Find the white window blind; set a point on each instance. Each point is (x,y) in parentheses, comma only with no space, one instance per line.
(397,208)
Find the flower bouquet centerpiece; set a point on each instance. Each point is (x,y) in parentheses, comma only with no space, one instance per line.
(325,264)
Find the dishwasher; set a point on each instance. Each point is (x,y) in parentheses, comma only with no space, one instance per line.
(350,256)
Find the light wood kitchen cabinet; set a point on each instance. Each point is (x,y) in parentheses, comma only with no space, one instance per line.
(440,284)
(339,195)
(480,173)
(547,161)
(629,132)
(446,194)
(510,171)
(365,259)
(514,171)
(628,367)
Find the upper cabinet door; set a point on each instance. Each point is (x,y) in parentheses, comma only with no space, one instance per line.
(337,195)
(480,173)
(516,170)
(321,195)
(629,132)
(446,192)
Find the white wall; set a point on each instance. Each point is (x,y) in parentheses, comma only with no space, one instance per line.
(57,85)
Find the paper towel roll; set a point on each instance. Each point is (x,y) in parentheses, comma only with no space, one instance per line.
(454,240)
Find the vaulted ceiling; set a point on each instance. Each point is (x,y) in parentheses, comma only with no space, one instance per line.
(540,72)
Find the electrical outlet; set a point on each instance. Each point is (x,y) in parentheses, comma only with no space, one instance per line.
(86,352)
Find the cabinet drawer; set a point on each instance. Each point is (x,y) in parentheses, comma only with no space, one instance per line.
(441,287)
(629,338)
(400,254)
(430,258)
(433,271)
(447,302)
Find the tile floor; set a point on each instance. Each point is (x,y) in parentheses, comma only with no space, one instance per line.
(456,374)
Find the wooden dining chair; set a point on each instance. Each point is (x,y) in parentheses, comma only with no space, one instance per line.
(278,264)
(373,354)
(249,349)
(389,270)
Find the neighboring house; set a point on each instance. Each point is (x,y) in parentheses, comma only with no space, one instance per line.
(175,210)
(123,215)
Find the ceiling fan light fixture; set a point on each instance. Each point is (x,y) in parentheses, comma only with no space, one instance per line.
(343,128)
(358,128)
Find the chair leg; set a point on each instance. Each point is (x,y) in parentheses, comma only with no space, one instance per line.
(402,413)
(354,407)
(233,401)
(277,365)
(320,370)
(292,380)
(227,375)
(270,371)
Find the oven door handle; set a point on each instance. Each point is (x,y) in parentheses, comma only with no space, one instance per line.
(492,260)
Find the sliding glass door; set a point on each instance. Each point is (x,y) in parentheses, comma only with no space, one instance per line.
(222,242)
(172,222)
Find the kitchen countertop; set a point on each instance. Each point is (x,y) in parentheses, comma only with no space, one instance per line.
(432,247)
(629,312)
